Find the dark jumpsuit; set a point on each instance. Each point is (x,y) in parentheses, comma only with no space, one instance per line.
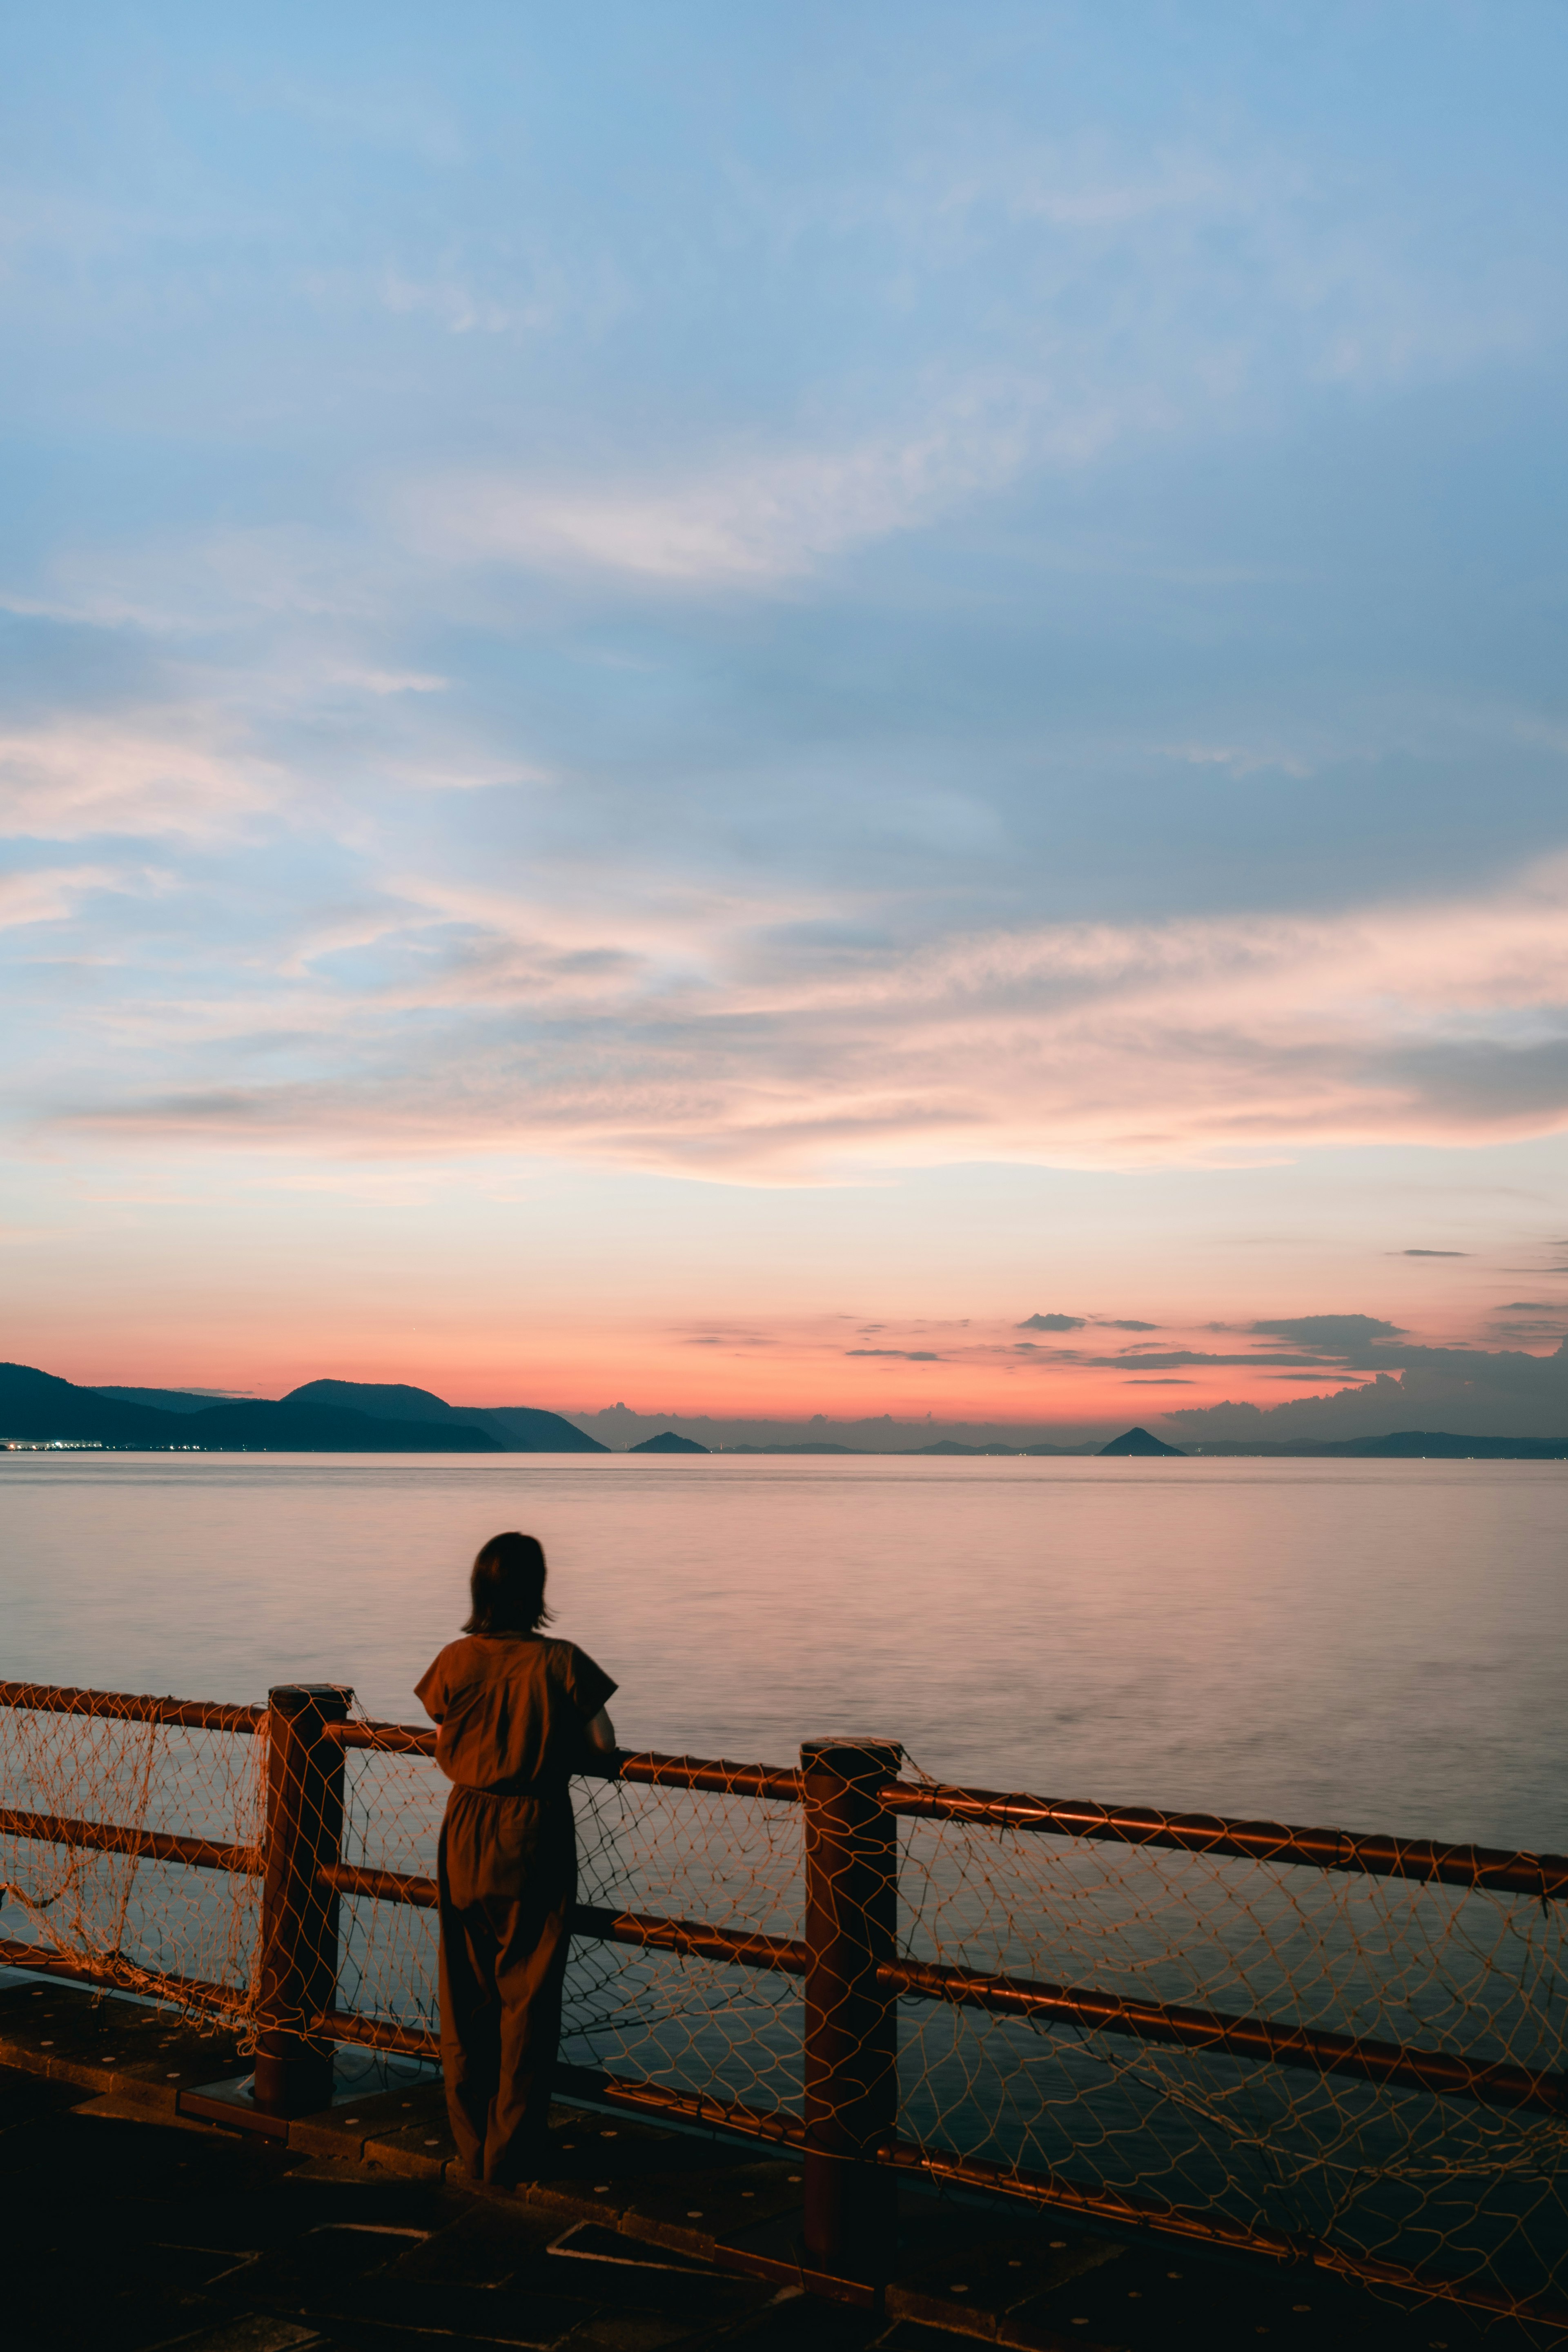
(512,1711)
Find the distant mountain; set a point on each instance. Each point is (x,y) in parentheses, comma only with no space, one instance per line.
(36,1406)
(516,1428)
(326,1429)
(1138,1441)
(856,1450)
(667,1442)
(950,1445)
(387,1400)
(169,1400)
(527,1429)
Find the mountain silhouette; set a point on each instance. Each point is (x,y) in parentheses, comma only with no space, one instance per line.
(38,1407)
(1138,1441)
(667,1442)
(517,1428)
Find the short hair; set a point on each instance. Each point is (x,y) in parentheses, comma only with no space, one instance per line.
(507,1586)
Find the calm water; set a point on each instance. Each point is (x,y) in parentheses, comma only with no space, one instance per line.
(1375,1644)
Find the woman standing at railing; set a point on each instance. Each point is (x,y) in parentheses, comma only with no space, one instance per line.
(517,1715)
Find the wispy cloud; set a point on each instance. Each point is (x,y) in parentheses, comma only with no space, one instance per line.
(80,776)
(51,894)
(685,1036)
(743,518)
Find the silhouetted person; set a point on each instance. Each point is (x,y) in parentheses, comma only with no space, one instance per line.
(517,1715)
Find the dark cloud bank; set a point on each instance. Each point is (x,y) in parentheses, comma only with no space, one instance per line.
(1474,1392)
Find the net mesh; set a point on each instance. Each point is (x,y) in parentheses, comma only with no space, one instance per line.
(1468,2189)
(134,1920)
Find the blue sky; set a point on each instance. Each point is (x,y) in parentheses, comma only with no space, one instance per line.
(918,649)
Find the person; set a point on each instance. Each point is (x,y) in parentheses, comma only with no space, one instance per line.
(516,1713)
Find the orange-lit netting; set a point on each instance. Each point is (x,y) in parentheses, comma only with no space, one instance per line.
(1466,2189)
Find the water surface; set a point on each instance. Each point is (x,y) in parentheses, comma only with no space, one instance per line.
(1376,1644)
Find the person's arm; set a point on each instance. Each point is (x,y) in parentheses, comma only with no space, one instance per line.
(600,1733)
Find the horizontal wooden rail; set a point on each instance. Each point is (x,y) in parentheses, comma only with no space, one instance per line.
(1258,2038)
(651,1769)
(380,2033)
(647,1767)
(1424,1860)
(692,1938)
(125,1976)
(383,1885)
(1420,1860)
(110,1837)
(739,1947)
(130,1706)
(386,1738)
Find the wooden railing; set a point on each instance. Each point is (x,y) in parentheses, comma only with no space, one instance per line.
(852,1975)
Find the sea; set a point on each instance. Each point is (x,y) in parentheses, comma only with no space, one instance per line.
(1369,1645)
(1372,1645)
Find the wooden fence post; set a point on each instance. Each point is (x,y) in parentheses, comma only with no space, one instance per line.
(298,1954)
(851,2023)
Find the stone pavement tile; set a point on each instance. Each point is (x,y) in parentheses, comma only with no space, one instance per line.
(111,2160)
(374,2278)
(554,2295)
(919,2336)
(53,2308)
(397,2310)
(101,2038)
(416,2111)
(717,2202)
(159,2263)
(329,2258)
(790,2321)
(587,2147)
(997,2281)
(420,2142)
(269,2206)
(27,2098)
(627,2331)
(620,2272)
(255,2331)
(484,2246)
(312,2193)
(536,2328)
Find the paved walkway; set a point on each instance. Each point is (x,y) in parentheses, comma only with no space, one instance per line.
(134,2226)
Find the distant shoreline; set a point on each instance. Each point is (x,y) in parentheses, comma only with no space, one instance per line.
(40,1413)
(1402,1445)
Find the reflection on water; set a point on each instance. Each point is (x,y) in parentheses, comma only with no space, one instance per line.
(1377,1645)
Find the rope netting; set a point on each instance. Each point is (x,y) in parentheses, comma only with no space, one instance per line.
(693,2024)
(133,1918)
(1456,2186)
(1471,2189)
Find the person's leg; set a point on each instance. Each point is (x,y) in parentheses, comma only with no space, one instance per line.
(470,2023)
(532,1944)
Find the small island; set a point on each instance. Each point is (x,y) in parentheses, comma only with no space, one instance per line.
(667,1442)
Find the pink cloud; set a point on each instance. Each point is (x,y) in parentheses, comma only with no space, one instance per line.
(687,1034)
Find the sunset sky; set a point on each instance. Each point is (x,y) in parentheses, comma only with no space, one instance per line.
(791,710)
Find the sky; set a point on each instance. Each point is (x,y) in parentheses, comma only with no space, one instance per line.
(791,710)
